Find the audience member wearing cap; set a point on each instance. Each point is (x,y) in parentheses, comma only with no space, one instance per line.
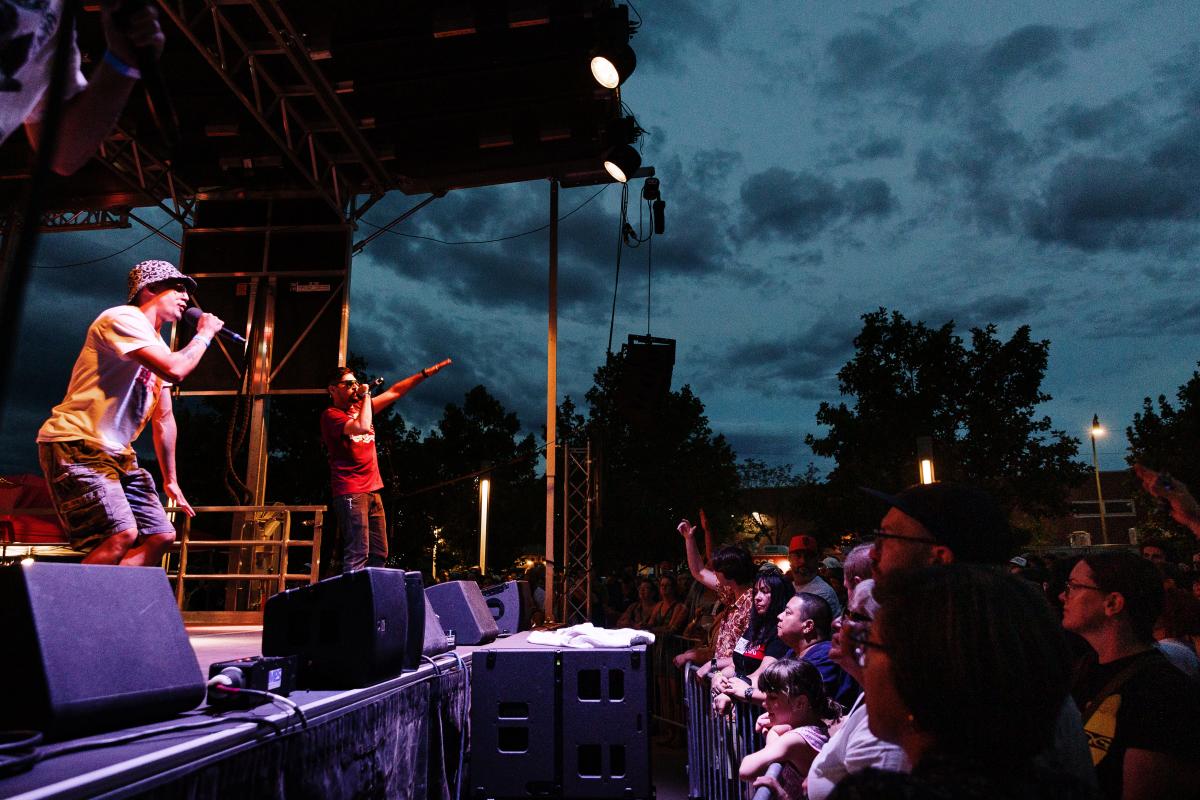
(949,523)
(804,556)
(853,747)
(1139,711)
(940,523)
(971,698)
(121,381)
(731,575)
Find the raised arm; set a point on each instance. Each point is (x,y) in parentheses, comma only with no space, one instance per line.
(402,387)
(1184,508)
(695,562)
(89,117)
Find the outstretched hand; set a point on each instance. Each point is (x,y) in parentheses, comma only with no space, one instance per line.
(436,368)
(685,528)
(1184,508)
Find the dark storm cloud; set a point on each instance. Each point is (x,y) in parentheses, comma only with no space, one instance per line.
(884,147)
(803,364)
(1099,203)
(669,29)
(1119,118)
(779,203)
(764,445)
(992,308)
(861,58)
(1035,48)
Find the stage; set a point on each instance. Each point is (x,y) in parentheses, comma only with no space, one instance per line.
(397,739)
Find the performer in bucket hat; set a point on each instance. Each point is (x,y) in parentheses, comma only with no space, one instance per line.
(108,505)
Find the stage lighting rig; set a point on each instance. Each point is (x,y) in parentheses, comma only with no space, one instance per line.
(612,59)
(620,158)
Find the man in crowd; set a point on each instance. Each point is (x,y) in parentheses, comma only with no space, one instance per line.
(805,626)
(947,523)
(28,35)
(348,430)
(108,505)
(1139,711)
(804,557)
(1156,554)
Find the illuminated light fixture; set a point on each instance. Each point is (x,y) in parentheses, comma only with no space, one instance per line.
(612,66)
(621,162)
(485,495)
(1097,429)
(925,460)
(26,561)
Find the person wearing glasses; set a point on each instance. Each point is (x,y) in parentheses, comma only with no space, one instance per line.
(940,524)
(970,695)
(348,430)
(1139,711)
(107,504)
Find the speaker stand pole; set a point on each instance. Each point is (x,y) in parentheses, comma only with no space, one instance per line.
(551,397)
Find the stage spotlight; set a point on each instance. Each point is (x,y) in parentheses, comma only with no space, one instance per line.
(612,66)
(622,161)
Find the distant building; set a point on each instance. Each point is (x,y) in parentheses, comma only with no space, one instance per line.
(1120,512)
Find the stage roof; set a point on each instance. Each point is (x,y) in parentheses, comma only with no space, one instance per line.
(349,101)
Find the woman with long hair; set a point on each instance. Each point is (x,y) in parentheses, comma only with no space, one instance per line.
(639,612)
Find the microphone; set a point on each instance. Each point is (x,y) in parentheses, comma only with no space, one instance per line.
(192,316)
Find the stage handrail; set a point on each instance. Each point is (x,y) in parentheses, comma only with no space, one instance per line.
(279,575)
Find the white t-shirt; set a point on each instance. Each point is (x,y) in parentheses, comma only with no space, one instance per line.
(110,396)
(852,748)
(31,45)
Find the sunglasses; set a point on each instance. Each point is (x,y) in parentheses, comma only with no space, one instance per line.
(347,383)
(174,285)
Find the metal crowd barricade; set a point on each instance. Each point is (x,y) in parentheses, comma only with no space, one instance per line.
(666,702)
(255,565)
(716,745)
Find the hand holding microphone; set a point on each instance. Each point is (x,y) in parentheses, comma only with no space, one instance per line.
(210,325)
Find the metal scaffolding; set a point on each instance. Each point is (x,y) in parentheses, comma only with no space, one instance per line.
(577,534)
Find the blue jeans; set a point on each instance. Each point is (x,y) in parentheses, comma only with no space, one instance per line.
(364,530)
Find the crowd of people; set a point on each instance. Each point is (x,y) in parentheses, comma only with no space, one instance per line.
(935,663)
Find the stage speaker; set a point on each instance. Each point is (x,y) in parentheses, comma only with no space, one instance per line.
(511,605)
(425,634)
(348,631)
(460,607)
(560,723)
(92,648)
(645,377)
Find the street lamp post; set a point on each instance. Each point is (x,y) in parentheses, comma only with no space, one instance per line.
(1098,431)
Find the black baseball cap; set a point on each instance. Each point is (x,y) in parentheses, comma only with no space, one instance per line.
(967,520)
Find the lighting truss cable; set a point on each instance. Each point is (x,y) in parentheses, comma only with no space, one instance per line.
(107,257)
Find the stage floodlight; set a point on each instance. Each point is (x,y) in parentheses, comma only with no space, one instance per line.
(612,66)
(622,161)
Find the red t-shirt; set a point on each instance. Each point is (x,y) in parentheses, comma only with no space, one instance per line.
(353,465)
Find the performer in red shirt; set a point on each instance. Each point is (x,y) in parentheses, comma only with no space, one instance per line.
(347,427)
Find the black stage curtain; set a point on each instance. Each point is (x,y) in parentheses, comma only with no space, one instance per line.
(404,744)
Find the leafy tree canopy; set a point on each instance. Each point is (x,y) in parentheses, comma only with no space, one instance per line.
(977,402)
(1166,437)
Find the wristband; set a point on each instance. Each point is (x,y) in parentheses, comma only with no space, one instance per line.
(207,341)
(713,663)
(749,693)
(424,372)
(121,67)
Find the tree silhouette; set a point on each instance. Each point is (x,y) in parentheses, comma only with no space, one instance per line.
(977,403)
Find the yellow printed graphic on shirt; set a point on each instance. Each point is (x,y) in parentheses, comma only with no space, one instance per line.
(1102,727)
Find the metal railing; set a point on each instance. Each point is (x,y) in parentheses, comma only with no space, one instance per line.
(256,561)
(716,745)
(667,694)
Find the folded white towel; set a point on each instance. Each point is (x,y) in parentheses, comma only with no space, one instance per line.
(588,635)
